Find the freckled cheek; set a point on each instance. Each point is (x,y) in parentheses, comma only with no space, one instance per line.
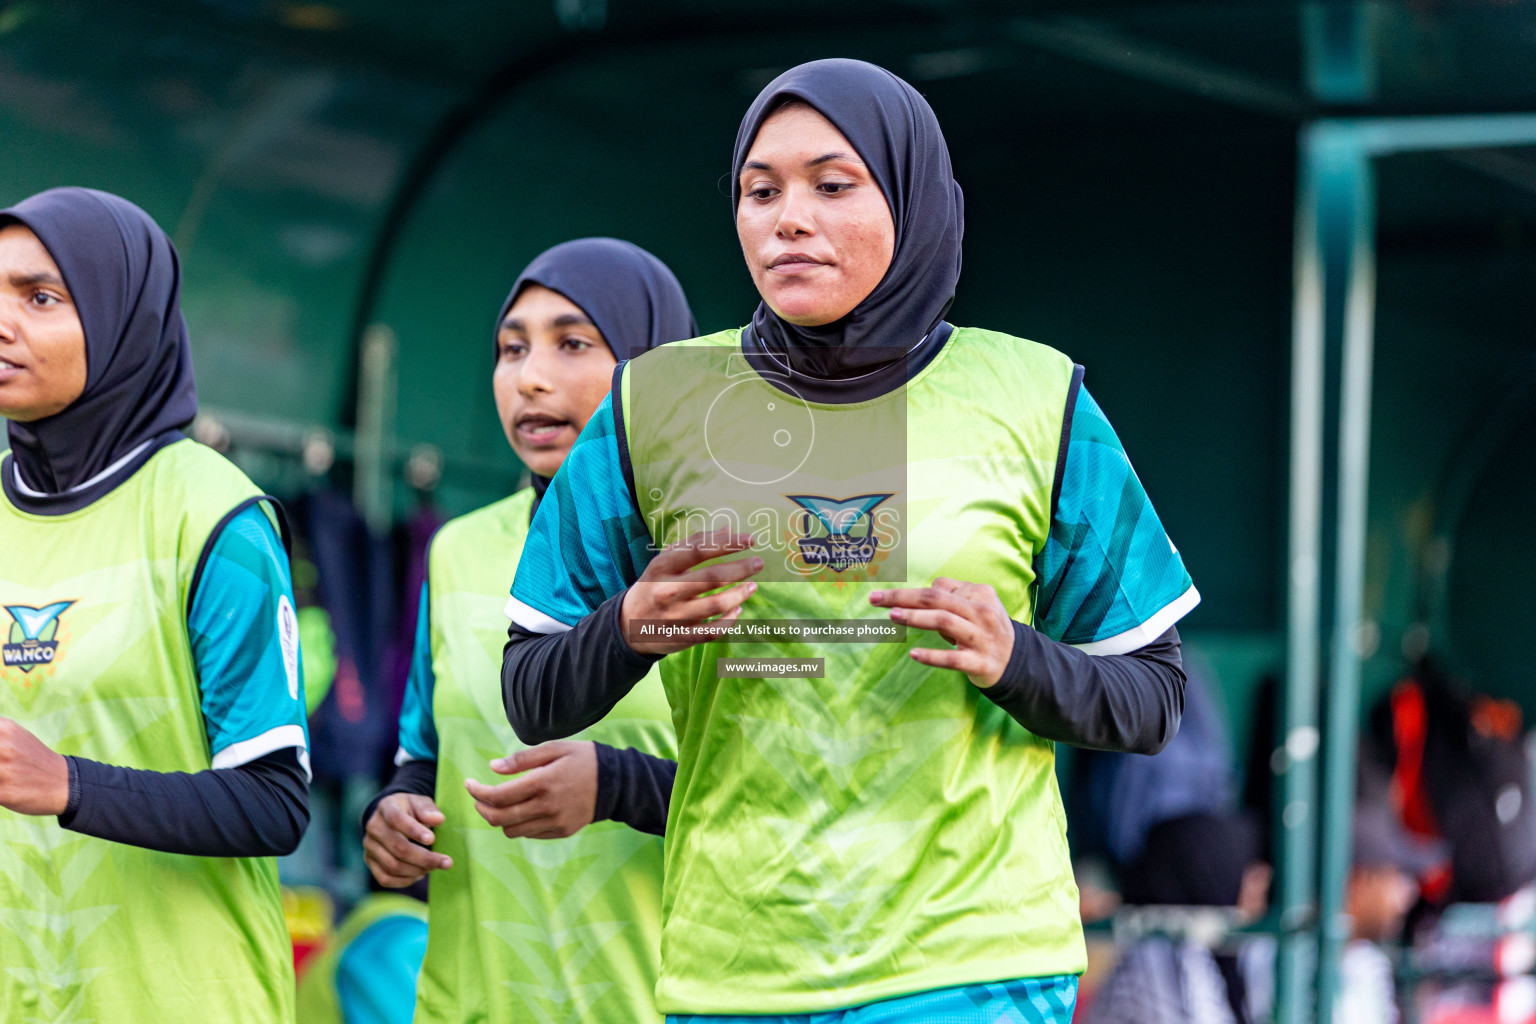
(868,251)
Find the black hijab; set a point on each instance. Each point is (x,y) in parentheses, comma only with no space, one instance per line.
(1194,861)
(125,278)
(895,132)
(630,295)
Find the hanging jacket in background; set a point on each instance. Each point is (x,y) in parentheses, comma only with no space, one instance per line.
(352,732)
(1460,771)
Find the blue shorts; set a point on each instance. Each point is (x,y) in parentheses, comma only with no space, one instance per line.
(1026,1001)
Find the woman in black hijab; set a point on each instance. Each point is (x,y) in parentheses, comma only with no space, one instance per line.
(150,696)
(634,303)
(893,131)
(1203,860)
(572,315)
(881,838)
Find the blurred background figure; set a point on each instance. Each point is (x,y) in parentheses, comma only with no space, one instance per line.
(1454,765)
(1383,887)
(1196,861)
(1117,799)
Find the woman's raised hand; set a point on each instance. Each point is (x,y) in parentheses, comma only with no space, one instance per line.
(968,615)
(673,591)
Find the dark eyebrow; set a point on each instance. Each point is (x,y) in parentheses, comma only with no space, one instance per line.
(563,320)
(37,277)
(758,165)
(829,156)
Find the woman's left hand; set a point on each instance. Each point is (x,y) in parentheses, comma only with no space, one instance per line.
(968,615)
(555,797)
(33,778)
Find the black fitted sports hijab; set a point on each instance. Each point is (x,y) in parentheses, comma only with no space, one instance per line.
(895,132)
(125,279)
(630,295)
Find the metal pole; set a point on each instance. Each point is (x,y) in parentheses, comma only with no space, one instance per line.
(1347,171)
(1297,755)
(372,484)
(1339,62)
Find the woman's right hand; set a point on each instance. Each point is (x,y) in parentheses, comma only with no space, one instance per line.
(671,590)
(396,841)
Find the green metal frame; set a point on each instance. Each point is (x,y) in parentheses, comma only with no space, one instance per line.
(1334,338)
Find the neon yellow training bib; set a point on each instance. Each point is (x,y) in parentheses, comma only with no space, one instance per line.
(98,664)
(522,930)
(885,829)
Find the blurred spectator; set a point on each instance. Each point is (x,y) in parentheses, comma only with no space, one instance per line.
(1200,861)
(1382,889)
(1458,771)
(1119,798)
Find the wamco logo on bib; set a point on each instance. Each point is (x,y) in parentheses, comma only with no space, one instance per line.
(841,544)
(31,640)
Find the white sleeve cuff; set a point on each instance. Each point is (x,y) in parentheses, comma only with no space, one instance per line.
(531,619)
(402,756)
(246,751)
(1137,638)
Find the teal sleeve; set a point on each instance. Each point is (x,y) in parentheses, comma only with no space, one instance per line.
(376,974)
(245,644)
(587,541)
(1111,581)
(418,730)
